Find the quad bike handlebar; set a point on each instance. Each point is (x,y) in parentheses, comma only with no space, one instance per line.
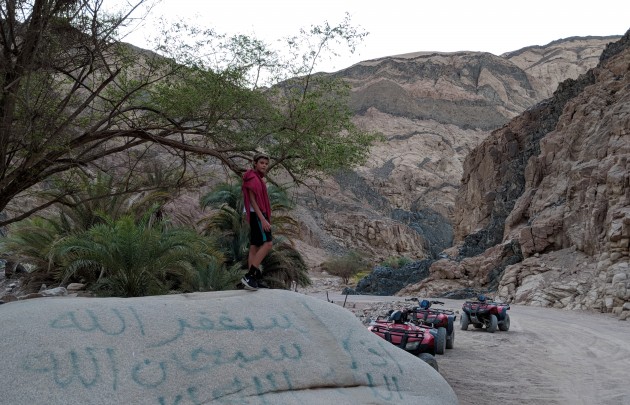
(420,299)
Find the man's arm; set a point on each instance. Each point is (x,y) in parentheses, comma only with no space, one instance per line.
(252,201)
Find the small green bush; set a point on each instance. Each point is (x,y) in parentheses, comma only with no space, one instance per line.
(346,266)
(364,273)
(396,262)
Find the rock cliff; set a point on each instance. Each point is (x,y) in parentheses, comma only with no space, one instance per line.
(552,189)
(433,109)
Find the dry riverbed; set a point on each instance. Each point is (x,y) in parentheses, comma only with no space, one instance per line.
(549,356)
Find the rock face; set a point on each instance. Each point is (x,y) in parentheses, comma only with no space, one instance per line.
(222,347)
(556,182)
(387,281)
(549,65)
(433,109)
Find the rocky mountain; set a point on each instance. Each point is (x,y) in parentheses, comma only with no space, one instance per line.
(433,109)
(542,215)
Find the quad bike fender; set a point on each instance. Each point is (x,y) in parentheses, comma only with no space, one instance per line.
(501,313)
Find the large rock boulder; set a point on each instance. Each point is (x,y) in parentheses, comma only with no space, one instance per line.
(272,347)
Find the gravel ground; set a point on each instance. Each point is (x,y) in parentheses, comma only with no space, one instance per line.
(549,356)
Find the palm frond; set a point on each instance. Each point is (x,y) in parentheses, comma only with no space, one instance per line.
(284,265)
(137,258)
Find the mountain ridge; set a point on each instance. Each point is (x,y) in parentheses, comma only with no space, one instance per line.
(424,108)
(564,206)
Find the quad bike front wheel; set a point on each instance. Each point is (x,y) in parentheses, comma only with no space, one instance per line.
(429,359)
(505,325)
(464,321)
(440,341)
(492,324)
(450,340)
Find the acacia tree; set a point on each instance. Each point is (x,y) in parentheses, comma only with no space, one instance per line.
(72,96)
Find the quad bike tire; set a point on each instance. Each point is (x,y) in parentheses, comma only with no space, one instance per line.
(440,341)
(464,321)
(450,340)
(429,359)
(492,324)
(505,325)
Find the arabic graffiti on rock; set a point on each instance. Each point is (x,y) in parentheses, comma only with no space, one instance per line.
(113,347)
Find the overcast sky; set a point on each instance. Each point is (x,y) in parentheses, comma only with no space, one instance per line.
(401,26)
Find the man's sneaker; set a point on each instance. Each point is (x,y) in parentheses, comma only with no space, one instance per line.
(249,283)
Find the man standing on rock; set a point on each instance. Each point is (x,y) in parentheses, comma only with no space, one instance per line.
(258,212)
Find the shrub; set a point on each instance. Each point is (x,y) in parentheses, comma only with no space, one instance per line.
(395,262)
(346,266)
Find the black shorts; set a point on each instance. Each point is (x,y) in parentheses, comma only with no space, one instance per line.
(257,236)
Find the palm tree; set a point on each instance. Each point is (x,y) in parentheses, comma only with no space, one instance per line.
(30,241)
(136,259)
(284,264)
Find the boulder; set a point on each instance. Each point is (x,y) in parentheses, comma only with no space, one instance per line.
(74,287)
(54,292)
(267,347)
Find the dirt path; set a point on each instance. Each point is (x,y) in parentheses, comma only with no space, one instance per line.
(548,356)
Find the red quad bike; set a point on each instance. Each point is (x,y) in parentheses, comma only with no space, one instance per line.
(441,319)
(484,312)
(417,340)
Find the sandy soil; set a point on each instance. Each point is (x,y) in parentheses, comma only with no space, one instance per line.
(548,356)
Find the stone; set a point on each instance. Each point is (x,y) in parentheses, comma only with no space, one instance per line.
(75,287)
(54,292)
(619,277)
(431,119)
(9,298)
(30,296)
(566,198)
(218,347)
(608,302)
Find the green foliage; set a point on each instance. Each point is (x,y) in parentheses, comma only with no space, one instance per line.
(361,274)
(396,262)
(31,241)
(215,276)
(283,264)
(132,259)
(73,97)
(346,266)
(228,221)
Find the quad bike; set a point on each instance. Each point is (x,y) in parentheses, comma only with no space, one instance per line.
(441,319)
(417,340)
(485,312)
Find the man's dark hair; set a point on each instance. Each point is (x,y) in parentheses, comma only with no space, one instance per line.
(259,156)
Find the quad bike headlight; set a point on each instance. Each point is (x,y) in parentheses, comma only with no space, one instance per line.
(412,345)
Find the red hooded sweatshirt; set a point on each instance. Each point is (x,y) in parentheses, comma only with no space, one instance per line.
(252,181)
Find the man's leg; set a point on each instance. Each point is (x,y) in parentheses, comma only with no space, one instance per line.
(250,279)
(253,249)
(260,254)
